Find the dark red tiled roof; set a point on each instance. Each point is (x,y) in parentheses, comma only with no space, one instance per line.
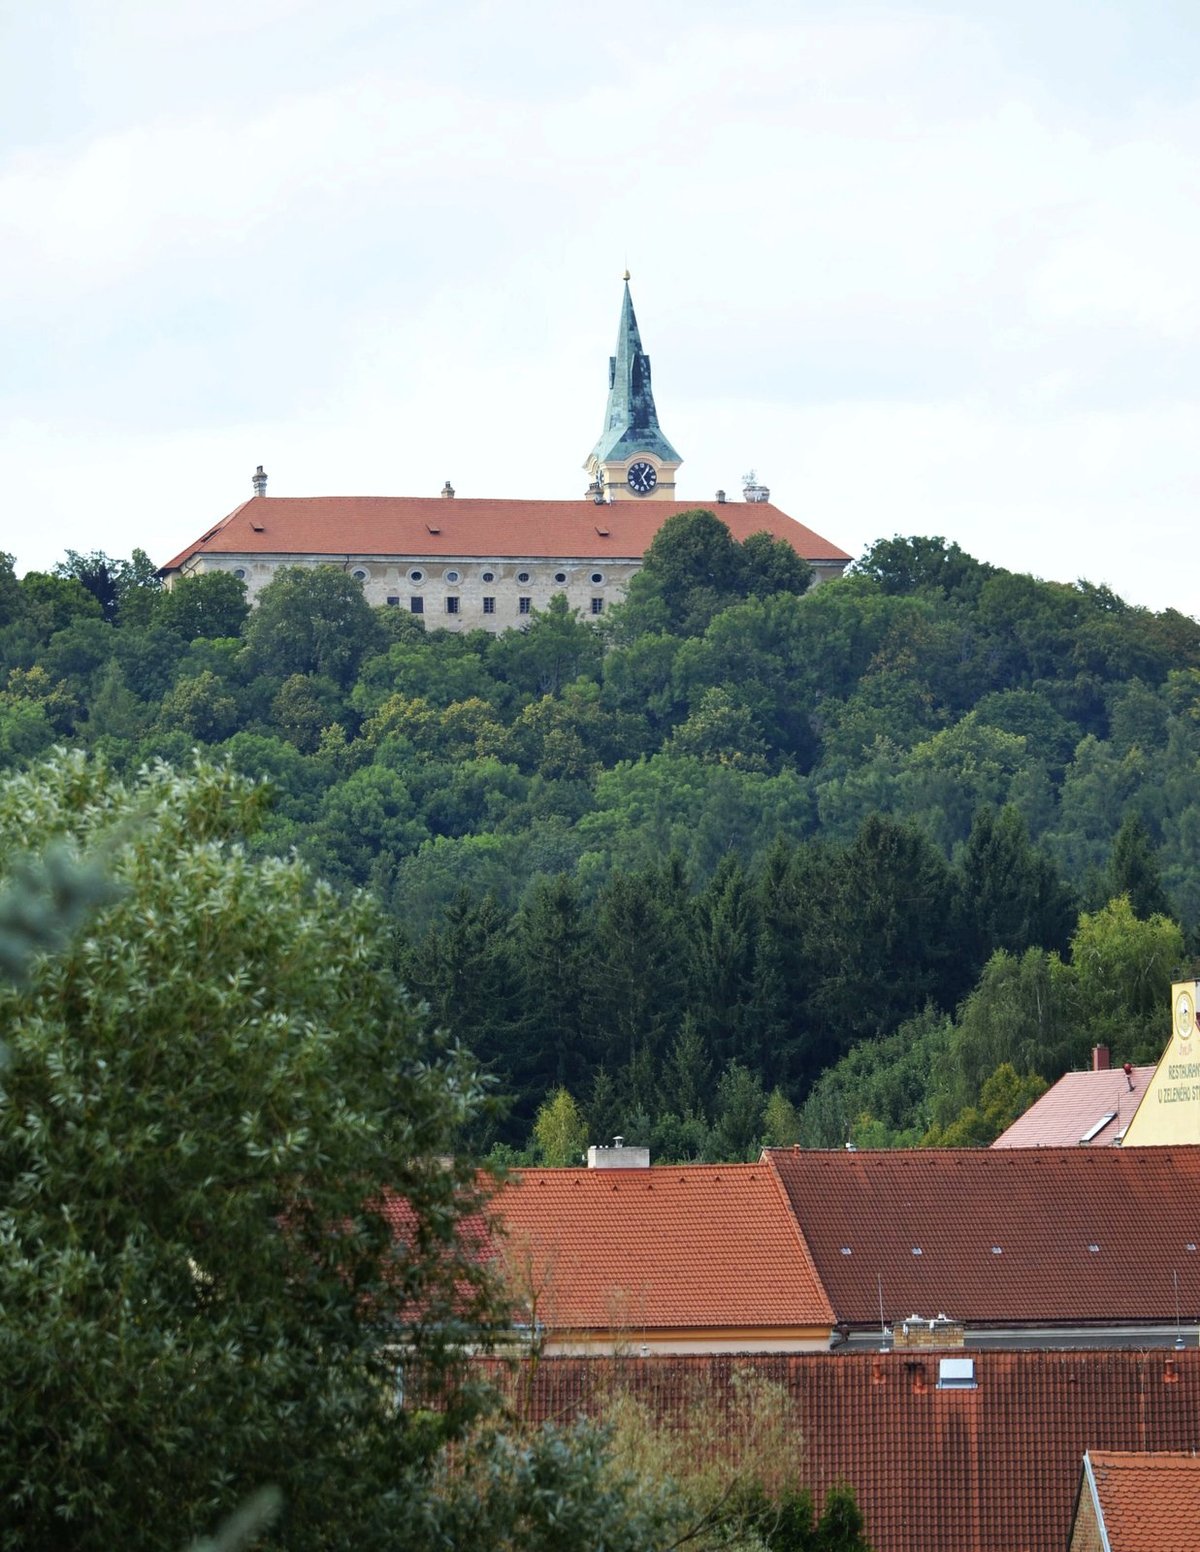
(434,526)
(1150,1502)
(642,1250)
(989,1469)
(997,1236)
(1070,1111)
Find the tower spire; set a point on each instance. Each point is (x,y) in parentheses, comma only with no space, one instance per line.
(630,419)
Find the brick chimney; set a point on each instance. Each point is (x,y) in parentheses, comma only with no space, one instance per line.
(259,481)
(1101,1059)
(939,1332)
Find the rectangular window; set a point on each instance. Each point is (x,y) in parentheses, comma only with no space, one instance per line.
(489,606)
(393,600)
(524,605)
(452,605)
(597,606)
(416,605)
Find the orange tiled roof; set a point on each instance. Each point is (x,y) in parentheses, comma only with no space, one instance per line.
(989,1469)
(434,526)
(1150,1501)
(625,1250)
(998,1236)
(1075,1106)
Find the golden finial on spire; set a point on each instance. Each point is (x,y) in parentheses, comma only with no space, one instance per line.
(626,274)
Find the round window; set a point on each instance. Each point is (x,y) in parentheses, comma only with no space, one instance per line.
(360,576)
(560,576)
(522,576)
(240,573)
(452,576)
(416,576)
(489,576)
(597,576)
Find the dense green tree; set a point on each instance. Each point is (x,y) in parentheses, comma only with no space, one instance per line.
(739,1114)
(560,1131)
(1003,1097)
(554,649)
(1133,871)
(1010,895)
(913,565)
(126,590)
(196,1091)
(553,952)
(311,620)
(212,604)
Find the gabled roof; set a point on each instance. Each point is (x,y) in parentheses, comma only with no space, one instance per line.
(1147,1501)
(1073,1112)
(994,1468)
(1070,1236)
(361,526)
(623,1251)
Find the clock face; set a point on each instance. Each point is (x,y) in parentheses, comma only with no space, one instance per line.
(1185,1015)
(642,477)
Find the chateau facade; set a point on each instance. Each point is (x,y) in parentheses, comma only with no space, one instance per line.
(467,564)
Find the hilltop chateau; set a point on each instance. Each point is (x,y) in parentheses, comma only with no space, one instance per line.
(467,564)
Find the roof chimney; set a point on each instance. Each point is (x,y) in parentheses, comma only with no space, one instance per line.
(752,490)
(1101,1060)
(448,491)
(721,498)
(618,1156)
(259,481)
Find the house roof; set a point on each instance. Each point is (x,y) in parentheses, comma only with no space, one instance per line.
(337,526)
(638,1250)
(1069,1236)
(994,1468)
(1149,1501)
(1073,1112)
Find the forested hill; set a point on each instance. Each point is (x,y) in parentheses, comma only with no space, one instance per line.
(744,862)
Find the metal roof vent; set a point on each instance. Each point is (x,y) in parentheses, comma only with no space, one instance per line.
(956,1374)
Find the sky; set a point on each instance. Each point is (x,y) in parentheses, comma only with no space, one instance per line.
(927,269)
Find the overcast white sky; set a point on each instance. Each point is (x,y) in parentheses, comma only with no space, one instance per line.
(927,268)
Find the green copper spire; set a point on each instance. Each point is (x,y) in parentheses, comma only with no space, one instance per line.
(631,421)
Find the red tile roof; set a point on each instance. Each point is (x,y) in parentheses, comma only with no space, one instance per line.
(644,1250)
(435,526)
(990,1469)
(1065,1114)
(999,1236)
(1150,1502)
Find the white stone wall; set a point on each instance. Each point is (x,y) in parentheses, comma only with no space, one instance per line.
(397,580)
(390,580)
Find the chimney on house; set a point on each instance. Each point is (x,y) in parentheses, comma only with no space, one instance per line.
(448,491)
(259,481)
(939,1332)
(752,489)
(1101,1060)
(618,1156)
(721,498)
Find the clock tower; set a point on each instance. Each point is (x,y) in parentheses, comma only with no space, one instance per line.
(632,461)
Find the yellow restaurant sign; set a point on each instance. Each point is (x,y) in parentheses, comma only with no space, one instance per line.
(1170,1108)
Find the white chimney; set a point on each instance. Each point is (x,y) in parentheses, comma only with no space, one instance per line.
(618,1156)
(259,481)
(752,490)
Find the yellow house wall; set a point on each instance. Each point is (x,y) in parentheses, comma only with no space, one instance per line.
(1170,1109)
